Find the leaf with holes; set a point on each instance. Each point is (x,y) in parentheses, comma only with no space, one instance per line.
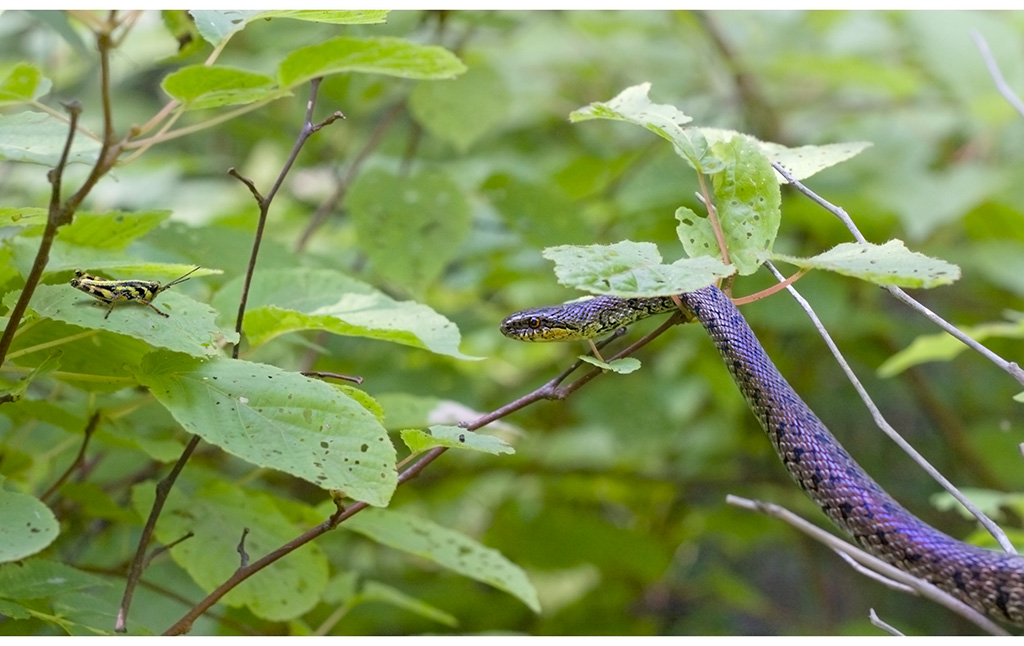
(277,419)
(747,199)
(28,525)
(801,162)
(886,264)
(453,437)
(632,105)
(631,269)
(215,514)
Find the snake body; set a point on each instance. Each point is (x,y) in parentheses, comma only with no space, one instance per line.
(988,581)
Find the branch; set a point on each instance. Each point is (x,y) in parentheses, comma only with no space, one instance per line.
(1010,367)
(919,586)
(90,428)
(163,489)
(997,76)
(308,128)
(55,218)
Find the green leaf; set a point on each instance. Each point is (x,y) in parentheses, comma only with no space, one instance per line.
(454,437)
(448,548)
(28,526)
(199,86)
(26,216)
(90,359)
(631,269)
(182,27)
(39,138)
(622,366)
(887,264)
(111,230)
(191,327)
(463,110)
(943,347)
(375,591)
(23,83)
(288,300)
(216,514)
(632,105)
(16,389)
(801,162)
(425,215)
(277,419)
(334,17)
(747,199)
(40,578)
(390,56)
(218,26)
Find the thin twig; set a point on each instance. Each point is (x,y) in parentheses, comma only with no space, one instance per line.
(163,489)
(877,622)
(157,551)
(877,576)
(997,76)
(920,586)
(308,128)
(55,218)
(90,428)
(1010,367)
(886,428)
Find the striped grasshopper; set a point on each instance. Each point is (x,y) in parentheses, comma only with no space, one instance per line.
(112,291)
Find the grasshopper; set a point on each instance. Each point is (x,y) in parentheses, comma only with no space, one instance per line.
(112,291)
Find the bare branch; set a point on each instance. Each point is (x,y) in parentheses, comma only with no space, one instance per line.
(877,621)
(90,428)
(920,586)
(1010,367)
(997,76)
(163,489)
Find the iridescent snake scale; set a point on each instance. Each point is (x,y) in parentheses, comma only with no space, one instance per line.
(991,582)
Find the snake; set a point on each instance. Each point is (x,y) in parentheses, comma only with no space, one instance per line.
(991,582)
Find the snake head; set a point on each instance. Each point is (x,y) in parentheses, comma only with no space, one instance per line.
(539,324)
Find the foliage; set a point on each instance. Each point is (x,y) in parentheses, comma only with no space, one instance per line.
(474,146)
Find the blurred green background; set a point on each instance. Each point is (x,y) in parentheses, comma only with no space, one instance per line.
(615,499)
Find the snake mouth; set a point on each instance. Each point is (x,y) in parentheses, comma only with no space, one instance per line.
(526,326)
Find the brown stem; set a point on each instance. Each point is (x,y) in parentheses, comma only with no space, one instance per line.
(163,489)
(90,427)
(308,128)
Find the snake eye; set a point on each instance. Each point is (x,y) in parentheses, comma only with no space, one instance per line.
(533,322)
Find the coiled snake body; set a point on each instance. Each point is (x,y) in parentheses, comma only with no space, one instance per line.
(991,582)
